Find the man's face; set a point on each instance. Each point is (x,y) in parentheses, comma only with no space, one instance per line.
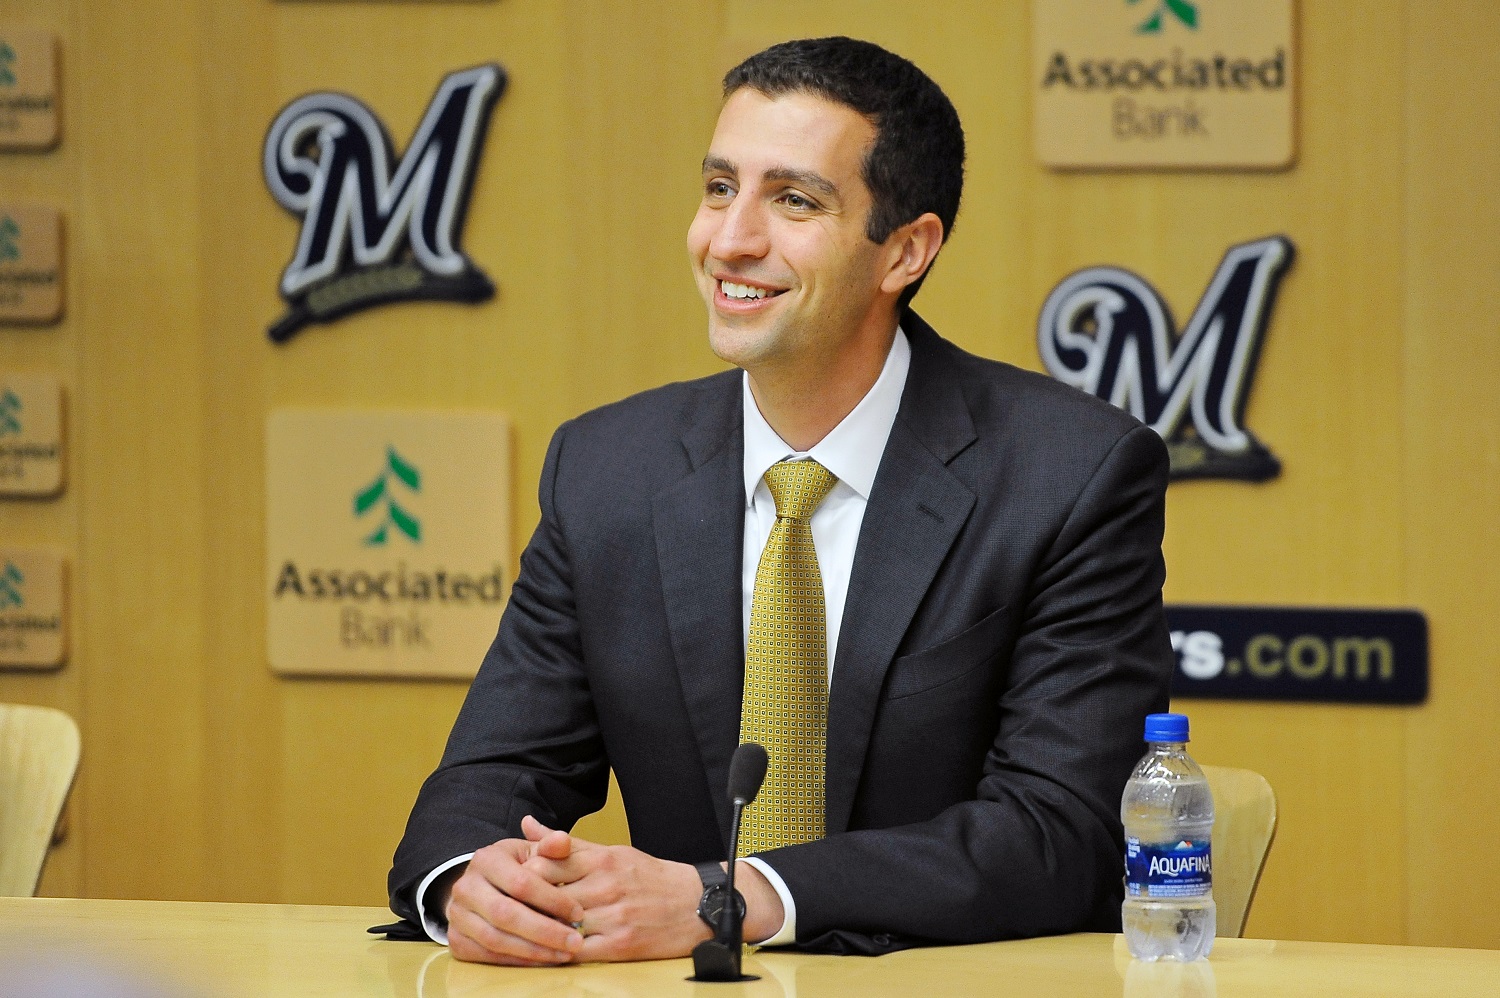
(778,246)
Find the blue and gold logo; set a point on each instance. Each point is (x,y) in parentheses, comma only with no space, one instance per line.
(1107,331)
(375,229)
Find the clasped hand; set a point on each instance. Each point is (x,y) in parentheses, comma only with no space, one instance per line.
(551,898)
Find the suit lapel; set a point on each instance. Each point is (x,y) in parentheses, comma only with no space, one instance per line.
(699,524)
(917,507)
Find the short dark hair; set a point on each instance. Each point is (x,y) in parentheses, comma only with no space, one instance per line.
(916,164)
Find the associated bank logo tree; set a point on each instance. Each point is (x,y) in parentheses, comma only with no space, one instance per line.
(11,581)
(370,233)
(10,413)
(7,59)
(1107,331)
(1182,10)
(10,231)
(371,495)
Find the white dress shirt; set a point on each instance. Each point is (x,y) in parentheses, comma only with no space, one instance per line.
(851,451)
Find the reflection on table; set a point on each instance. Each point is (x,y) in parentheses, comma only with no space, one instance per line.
(123,949)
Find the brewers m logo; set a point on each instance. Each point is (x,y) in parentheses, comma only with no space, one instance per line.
(1107,331)
(371,235)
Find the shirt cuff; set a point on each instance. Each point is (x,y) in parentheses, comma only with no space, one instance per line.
(438,931)
(787,934)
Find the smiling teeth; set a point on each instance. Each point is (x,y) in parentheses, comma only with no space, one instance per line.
(732,290)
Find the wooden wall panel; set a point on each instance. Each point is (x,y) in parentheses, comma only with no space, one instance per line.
(240,251)
(140,409)
(1452,453)
(206,776)
(51,178)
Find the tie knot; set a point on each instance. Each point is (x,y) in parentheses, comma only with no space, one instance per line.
(798,487)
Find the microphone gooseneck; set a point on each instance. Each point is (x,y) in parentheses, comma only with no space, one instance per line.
(718,959)
(747,771)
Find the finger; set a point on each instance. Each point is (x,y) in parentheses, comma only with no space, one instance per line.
(554,845)
(606,945)
(592,893)
(471,937)
(599,949)
(587,884)
(548,842)
(538,833)
(587,864)
(510,916)
(501,872)
(556,871)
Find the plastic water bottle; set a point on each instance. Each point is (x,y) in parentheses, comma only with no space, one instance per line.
(1168,813)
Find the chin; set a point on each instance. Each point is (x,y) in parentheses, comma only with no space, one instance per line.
(733,344)
(725,345)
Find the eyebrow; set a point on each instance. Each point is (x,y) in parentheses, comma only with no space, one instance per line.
(802,178)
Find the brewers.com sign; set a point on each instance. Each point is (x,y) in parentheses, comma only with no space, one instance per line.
(1299,653)
(388,540)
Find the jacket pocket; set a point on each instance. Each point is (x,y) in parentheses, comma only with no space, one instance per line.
(974,647)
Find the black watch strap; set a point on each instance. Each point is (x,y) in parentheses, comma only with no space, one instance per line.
(712,875)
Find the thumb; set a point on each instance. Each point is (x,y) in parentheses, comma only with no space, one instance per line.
(546,842)
(534,830)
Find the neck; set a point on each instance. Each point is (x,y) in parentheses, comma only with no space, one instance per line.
(804,403)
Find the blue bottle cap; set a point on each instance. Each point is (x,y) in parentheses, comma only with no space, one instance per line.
(1166,728)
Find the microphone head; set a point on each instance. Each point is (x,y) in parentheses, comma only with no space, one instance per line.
(747,771)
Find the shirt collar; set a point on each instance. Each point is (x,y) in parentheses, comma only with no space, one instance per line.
(852,450)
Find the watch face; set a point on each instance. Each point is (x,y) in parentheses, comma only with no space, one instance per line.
(712,904)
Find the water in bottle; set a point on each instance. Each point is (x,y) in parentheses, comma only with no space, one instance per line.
(1168,814)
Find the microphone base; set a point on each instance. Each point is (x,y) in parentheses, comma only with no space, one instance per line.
(714,961)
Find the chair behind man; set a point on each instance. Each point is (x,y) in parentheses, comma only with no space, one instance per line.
(1244,825)
(38,757)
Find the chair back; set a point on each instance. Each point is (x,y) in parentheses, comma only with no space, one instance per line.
(1244,825)
(38,757)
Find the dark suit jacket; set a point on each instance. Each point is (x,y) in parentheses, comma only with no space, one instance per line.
(1002,640)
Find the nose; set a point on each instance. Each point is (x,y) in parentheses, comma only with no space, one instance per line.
(742,231)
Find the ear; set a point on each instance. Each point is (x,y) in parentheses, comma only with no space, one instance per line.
(912,248)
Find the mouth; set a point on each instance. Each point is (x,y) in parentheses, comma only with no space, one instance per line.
(740,294)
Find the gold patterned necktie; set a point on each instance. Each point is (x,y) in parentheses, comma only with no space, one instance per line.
(785,707)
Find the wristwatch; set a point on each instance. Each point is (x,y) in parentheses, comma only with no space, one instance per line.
(715,894)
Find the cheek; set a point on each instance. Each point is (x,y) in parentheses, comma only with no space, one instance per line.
(838,261)
(700,233)
(848,270)
(809,253)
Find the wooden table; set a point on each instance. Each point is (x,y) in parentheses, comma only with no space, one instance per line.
(268,951)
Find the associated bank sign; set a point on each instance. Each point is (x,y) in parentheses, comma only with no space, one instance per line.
(387,540)
(1163,83)
(33,618)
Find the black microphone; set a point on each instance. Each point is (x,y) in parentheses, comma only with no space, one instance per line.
(718,959)
(747,771)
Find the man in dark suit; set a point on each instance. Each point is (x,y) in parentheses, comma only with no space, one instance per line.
(990,559)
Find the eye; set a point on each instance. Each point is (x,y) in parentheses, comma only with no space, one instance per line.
(718,189)
(798,202)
